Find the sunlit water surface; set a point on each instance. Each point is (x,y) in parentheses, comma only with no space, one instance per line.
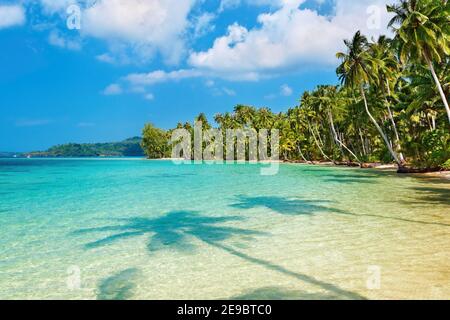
(135,229)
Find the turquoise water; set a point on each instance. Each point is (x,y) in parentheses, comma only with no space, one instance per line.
(137,229)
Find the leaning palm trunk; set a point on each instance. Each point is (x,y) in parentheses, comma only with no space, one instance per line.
(317,143)
(363,143)
(394,126)
(397,137)
(386,140)
(302,155)
(337,138)
(438,85)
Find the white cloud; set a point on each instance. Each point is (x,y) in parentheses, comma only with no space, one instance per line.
(285,90)
(11,15)
(203,24)
(285,40)
(160,76)
(112,89)
(58,40)
(288,39)
(147,27)
(149,97)
(232,4)
(228,4)
(136,30)
(223,91)
(54,6)
(209,83)
(106,57)
(228,91)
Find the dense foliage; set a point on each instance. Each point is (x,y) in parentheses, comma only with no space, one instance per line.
(128,148)
(392,104)
(154,142)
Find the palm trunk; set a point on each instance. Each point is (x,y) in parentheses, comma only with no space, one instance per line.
(302,155)
(317,143)
(397,137)
(394,126)
(337,138)
(318,136)
(386,140)
(438,85)
(363,144)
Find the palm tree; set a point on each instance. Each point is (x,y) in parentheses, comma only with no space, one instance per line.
(425,95)
(264,119)
(204,120)
(357,69)
(298,125)
(328,99)
(244,115)
(388,73)
(307,102)
(424,34)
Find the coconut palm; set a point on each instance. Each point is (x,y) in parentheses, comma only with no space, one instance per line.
(388,74)
(313,117)
(357,70)
(424,34)
(328,99)
(264,119)
(426,98)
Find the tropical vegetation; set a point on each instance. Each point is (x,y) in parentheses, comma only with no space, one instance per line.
(391,104)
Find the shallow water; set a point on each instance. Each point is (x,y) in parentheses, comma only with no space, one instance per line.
(132,229)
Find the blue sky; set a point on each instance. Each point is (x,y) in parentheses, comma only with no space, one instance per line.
(163,61)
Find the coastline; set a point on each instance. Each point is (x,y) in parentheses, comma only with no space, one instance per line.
(392,168)
(443,174)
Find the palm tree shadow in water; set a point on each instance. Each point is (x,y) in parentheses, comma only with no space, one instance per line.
(351,178)
(430,195)
(280,293)
(176,229)
(119,286)
(287,206)
(295,206)
(173,230)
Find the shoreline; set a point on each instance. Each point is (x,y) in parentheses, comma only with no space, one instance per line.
(443,174)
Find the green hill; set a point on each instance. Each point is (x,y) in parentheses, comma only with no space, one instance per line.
(127,148)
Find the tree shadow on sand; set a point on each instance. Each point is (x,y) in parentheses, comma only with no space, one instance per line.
(296,206)
(178,229)
(280,293)
(351,178)
(120,286)
(286,206)
(430,195)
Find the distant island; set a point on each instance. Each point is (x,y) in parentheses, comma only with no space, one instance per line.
(128,148)
(9,154)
